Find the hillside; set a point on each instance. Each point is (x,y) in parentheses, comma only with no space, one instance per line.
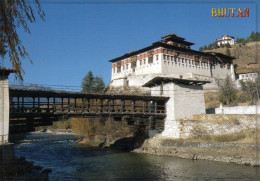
(244,54)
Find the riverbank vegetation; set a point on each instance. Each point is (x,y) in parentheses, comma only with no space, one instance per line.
(104,132)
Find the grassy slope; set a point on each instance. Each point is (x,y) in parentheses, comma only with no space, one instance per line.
(244,54)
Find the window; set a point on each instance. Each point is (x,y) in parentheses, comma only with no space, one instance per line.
(164,56)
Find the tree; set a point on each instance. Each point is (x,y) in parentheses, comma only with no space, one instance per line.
(91,84)
(215,45)
(13,14)
(227,45)
(228,90)
(228,53)
(250,90)
(201,49)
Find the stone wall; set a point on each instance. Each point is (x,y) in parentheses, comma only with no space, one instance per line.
(212,125)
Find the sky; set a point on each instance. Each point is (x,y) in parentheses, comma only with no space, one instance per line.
(81,36)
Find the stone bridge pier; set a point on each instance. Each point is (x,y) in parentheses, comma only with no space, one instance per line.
(6,148)
(186,98)
(4,105)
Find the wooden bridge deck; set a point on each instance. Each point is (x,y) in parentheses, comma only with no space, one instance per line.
(34,103)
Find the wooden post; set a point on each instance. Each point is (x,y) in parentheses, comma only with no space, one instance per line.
(82,105)
(101,105)
(96,106)
(48,104)
(155,107)
(68,104)
(23,104)
(122,105)
(62,104)
(18,104)
(144,106)
(33,107)
(113,110)
(54,104)
(39,105)
(75,104)
(89,105)
(133,106)
(109,105)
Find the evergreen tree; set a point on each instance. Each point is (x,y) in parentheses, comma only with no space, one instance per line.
(210,46)
(201,49)
(215,45)
(257,36)
(252,37)
(91,84)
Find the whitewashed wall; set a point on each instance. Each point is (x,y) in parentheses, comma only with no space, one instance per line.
(184,102)
(238,110)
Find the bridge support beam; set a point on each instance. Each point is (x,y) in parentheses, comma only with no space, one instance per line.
(4,105)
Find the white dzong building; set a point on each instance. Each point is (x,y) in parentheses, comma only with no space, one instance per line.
(225,39)
(171,57)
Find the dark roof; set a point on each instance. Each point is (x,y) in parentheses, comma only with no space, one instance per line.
(172,47)
(162,80)
(176,39)
(66,94)
(6,71)
(222,55)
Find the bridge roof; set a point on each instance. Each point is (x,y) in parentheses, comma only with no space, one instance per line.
(6,71)
(162,80)
(67,94)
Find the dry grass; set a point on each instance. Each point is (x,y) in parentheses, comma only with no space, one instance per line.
(211,99)
(221,119)
(244,54)
(62,124)
(248,136)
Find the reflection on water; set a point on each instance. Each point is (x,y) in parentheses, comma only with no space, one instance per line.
(70,161)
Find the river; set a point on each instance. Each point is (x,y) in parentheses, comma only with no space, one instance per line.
(71,161)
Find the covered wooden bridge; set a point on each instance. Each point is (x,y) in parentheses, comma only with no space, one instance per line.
(37,103)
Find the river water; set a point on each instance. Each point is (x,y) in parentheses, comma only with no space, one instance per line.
(71,161)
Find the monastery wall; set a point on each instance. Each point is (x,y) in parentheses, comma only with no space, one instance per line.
(161,61)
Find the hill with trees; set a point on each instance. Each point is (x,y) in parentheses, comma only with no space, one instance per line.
(244,50)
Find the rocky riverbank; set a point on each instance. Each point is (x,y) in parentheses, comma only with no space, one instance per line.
(239,153)
(20,169)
